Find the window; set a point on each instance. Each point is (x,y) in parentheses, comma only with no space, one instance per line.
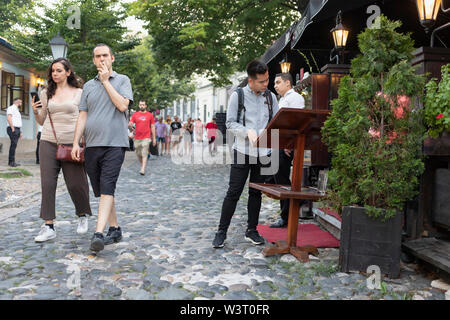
(15,87)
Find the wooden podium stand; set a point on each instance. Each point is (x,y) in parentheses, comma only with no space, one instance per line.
(295,126)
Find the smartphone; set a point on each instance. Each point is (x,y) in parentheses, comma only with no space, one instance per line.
(35,96)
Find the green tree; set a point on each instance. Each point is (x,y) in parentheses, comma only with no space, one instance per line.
(11,12)
(100,22)
(214,37)
(158,87)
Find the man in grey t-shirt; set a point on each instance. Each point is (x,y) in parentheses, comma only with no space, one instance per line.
(103,121)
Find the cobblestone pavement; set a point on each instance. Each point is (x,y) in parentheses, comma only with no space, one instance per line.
(169,218)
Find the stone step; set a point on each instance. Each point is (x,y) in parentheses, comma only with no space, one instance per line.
(329,223)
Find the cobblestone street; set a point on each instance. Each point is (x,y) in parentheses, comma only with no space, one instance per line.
(169,218)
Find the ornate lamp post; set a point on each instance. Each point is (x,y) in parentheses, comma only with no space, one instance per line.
(59,47)
(340,37)
(428,11)
(285,65)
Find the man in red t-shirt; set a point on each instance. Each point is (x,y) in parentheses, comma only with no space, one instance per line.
(144,130)
(211,129)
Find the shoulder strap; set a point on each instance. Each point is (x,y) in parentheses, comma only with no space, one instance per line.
(51,122)
(53,128)
(241,106)
(269,100)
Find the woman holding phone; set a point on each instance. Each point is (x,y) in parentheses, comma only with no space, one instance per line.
(60,100)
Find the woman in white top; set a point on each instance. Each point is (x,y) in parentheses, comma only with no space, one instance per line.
(60,99)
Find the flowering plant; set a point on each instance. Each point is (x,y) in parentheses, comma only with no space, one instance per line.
(374,131)
(437,104)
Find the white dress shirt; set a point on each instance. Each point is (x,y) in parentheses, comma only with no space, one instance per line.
(292,99)
(16,117)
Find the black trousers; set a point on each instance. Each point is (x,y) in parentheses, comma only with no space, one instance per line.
(283,177)
(14,137)
(238,177)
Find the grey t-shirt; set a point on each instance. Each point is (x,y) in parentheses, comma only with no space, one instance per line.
(106,126)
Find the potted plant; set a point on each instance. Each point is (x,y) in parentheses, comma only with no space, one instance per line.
(437,114)
(375,136)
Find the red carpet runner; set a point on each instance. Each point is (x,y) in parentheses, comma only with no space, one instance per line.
(307,234)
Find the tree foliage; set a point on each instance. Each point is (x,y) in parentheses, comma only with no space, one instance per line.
(374,132)
(437,104)
(101,22)
(11,12)
(159,87)
(214,37)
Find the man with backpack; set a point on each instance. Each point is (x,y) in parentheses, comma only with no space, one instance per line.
(246,118)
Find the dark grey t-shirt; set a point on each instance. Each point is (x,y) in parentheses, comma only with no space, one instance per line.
(106,126)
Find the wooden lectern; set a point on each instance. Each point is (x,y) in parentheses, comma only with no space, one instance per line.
(297,128)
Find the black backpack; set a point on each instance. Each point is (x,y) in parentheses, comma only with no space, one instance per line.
(241,106)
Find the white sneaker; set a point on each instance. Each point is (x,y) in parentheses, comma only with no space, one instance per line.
(45,234)
(82,225)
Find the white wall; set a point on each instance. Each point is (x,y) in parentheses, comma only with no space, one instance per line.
(208,99)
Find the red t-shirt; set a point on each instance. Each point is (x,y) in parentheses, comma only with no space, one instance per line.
(143,123)
(211,129)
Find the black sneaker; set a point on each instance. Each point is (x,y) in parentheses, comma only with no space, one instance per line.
(219,239)
(97,242)
(113,235)
(254,237)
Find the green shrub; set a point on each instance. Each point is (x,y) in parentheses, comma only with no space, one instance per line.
(374,132)
(437,104)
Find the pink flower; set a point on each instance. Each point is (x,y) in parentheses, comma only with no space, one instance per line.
(374,133)
(392,136)
(439,116)
(403,103)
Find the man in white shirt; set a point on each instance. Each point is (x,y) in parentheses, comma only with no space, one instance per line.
(13,129)
(289,99)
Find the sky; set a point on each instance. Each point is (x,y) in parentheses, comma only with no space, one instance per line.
(133,24)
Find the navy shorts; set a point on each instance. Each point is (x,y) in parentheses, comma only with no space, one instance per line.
(103,168)
(161,139)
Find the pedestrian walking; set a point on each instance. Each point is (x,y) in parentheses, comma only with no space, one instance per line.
(168,121)
(38,138)
(289,99)
(13,130)
(211,129)
(260,105)
(144,133)
(59,103)
(198,131)
(103,120)
(187,136)
(175,133)
(161,133)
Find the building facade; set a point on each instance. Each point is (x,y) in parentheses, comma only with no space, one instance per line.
(16,82)
(205,102)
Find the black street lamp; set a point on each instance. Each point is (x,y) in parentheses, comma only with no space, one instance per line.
(285,65)
(59,47)
(428,11)
(340,37)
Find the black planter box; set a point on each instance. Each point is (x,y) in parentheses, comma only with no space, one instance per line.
(365,242)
